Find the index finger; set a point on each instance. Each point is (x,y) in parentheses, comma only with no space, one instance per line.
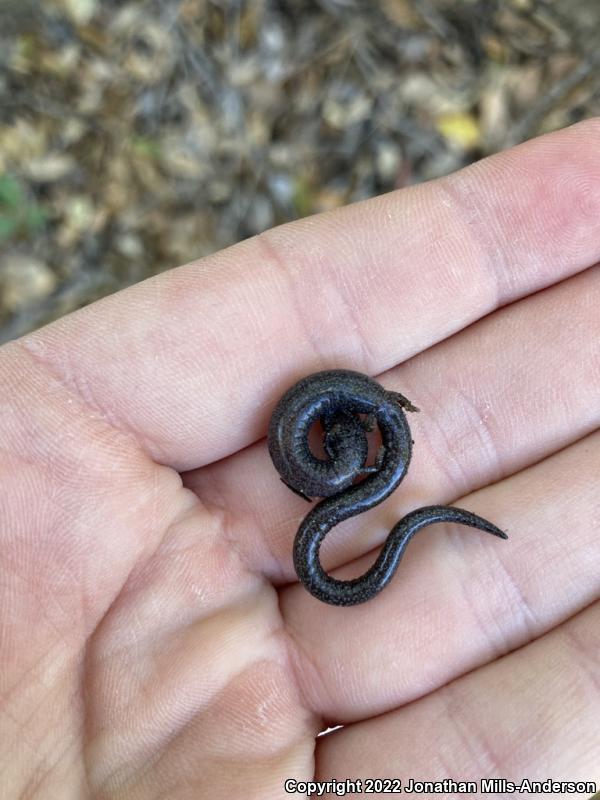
(191,361)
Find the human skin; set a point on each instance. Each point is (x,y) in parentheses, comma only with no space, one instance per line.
(153,640)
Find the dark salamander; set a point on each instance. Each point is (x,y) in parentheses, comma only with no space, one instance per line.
(348,404)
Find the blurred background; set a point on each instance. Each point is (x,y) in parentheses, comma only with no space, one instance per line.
(136,136)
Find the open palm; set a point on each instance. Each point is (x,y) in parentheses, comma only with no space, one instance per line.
(153,640)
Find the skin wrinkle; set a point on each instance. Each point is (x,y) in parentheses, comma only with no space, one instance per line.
(476,741)
(22,723)
(290,646)
(50,622)
(363,345)
(274,257)
(449,467)
(345,314)
(184,510)
(137,439)
(37,747)
(479,418)
(36,780)
(446,767)
(492,250)
(143,749)
(240,604)
(176,735)
(449,247)
(86,614)
(90,660)
(299,659)
(492,647)
(127,590)
(15,688)
(71,390)
(71,744)
(19,459)
(487,235)
(577,645)
(223,688)
(227,526)
(141,641)
(267,763)
(185,513)
(475,408)
(208,479)
(530,621)
(542,209)
(71,387)
(50,459)
(217,506)
(109,604)
(276,571)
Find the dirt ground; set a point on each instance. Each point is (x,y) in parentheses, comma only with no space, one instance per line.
(135,136)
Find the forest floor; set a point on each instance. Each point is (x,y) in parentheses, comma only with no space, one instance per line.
(136,136)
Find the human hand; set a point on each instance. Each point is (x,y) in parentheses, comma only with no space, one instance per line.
(153,640)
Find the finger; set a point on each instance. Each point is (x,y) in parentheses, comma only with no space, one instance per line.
(533,714)
(494,399)
(460,598)
(191,361)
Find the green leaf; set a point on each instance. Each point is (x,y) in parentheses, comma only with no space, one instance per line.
(145,146)
(8,227)
(35,217)
(303,197)
(11,193)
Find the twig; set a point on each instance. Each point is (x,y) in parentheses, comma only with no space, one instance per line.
(528,125)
